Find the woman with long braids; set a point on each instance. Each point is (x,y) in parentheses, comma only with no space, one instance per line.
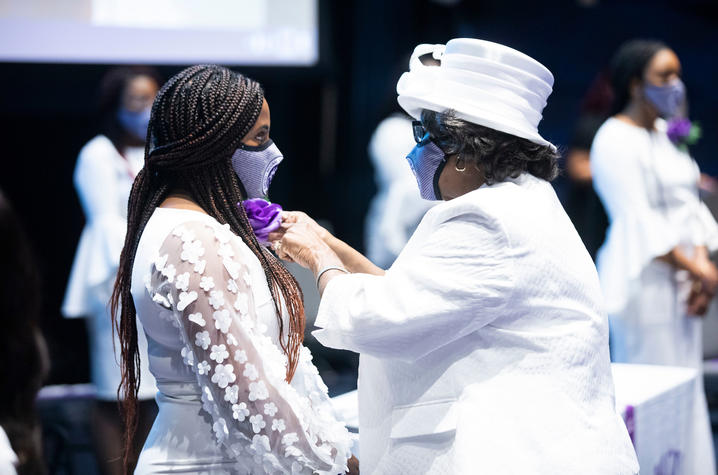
(224,320)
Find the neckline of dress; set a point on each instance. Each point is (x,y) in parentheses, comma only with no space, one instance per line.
(659,125)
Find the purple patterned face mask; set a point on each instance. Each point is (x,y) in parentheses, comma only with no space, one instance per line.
(427,161)
(668,99)
(256,166)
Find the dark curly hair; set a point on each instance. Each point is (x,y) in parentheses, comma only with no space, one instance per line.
(499,155)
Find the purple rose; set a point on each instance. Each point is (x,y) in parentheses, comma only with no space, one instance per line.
(678,129)
(264,217)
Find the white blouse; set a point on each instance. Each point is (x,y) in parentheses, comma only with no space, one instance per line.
(203,299)
(650,190)
(484,348)
(103,179)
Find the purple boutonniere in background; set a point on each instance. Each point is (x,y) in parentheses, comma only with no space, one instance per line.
(264,217)
(682,132)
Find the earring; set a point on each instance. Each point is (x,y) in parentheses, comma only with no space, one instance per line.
(463,164)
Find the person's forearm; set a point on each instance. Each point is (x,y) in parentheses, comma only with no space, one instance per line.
(352,259)
(679,260)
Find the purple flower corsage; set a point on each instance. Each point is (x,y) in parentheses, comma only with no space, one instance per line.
(264,217)
(682,132)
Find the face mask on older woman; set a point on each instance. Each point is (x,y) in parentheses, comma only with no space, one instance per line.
(427,161)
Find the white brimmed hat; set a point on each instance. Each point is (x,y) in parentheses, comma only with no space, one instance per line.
(485,83)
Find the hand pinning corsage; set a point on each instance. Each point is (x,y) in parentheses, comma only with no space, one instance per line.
(264,217)
(682,132)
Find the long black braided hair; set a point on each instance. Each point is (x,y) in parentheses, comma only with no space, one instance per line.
(198,119)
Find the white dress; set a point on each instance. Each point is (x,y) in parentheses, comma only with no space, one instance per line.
(650,191)
(103,179)
(213,346)
(484,348)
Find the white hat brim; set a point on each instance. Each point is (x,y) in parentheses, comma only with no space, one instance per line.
(413,105)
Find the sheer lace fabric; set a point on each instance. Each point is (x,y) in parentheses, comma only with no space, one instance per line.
(210,289)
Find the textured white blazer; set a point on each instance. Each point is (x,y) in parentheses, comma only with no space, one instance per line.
(484,348)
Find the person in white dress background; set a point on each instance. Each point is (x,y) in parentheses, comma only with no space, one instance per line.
(654,265)
(224,320)
(484,347)
(106,167)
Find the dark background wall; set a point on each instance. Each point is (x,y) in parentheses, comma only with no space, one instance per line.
(323,116)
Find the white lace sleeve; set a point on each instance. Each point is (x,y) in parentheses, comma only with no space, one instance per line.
(260,418)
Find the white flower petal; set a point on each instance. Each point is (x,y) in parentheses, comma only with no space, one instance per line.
(199,267)
(169,271)
(197,318)
(206,283)
(182,281)
(216,299)
(270,409)
(203,368)
(186,298)
(240,356)
(201,339)
(160,262)
(250,372)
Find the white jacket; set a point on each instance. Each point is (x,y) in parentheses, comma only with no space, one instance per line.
(484,348)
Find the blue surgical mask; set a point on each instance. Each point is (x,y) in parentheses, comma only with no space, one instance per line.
(427,161)
(135,123)
(256,166)
(668,99)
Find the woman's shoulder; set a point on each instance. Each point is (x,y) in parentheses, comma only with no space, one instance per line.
(193,231)
(617,132)
(478,205)
(183,223)
(181,230)
(499,205)
(99,146)
(617,141)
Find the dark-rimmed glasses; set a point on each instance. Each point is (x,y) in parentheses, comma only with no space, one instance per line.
(419,130)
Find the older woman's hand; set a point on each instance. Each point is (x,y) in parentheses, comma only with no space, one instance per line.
(300,243)
(297,217)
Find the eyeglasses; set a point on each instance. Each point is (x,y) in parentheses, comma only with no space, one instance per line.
(419,130)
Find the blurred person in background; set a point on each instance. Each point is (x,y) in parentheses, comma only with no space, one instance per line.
(654,267)
(397,208)
(105,170)
(23,354)
(579,198)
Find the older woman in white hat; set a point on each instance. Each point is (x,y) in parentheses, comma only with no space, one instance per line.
(484,348)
